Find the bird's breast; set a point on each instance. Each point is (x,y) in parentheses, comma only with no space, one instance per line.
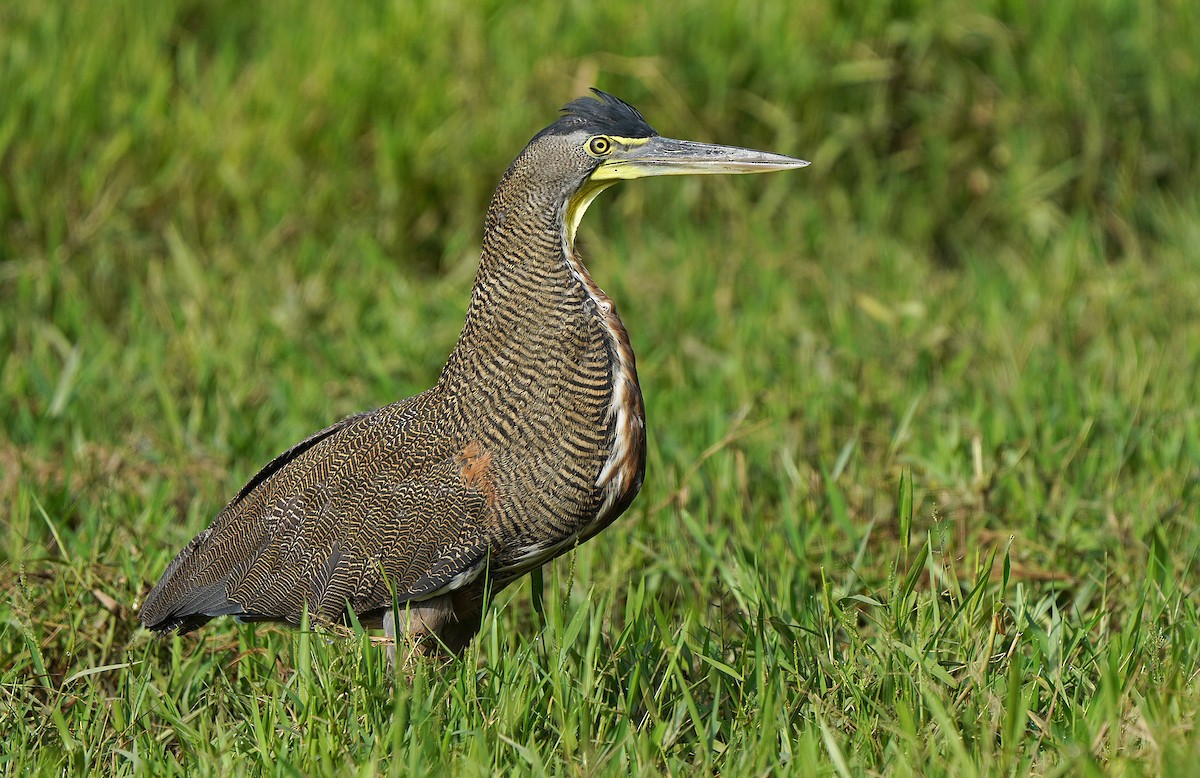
(546,384)
(620,476)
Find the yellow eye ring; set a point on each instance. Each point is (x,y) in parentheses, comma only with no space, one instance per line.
(599,145)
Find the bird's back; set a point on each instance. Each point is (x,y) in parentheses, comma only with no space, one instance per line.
(374,504)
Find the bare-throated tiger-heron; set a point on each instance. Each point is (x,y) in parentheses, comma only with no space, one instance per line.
(532,440)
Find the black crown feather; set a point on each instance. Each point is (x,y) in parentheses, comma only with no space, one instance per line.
(603,114)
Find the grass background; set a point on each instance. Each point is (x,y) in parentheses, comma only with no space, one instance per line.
(924,463)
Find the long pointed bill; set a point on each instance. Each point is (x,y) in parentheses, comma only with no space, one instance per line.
(660,156)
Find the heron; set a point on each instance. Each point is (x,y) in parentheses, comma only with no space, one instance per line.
(413,516)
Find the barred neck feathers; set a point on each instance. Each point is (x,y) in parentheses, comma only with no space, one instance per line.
(536,311)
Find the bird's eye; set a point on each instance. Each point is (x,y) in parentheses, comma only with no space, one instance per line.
(599,145)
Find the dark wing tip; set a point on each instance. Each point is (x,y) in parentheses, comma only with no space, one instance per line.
(179,604)
(176,623)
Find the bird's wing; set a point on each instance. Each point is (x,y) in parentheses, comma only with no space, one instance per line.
(377,508)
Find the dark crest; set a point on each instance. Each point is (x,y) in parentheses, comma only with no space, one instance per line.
(601,115)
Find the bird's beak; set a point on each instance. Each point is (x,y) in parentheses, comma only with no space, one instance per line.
(658,156)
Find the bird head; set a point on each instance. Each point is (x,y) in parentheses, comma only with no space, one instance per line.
(601,140)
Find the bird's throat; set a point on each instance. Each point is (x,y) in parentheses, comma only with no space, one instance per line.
(577,206)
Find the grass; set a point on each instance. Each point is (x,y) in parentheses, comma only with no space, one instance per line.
(924,472)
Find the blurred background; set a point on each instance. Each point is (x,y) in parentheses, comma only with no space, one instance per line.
(224,225)
(174,171)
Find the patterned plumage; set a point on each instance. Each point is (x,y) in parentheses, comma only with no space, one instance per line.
(531,441)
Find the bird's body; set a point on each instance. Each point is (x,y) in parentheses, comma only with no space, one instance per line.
(531,441)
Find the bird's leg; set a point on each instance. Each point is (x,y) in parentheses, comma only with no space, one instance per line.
(440,625)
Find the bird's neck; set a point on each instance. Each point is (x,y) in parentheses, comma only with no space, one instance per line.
(534,306)
(544,363)
(523,286)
